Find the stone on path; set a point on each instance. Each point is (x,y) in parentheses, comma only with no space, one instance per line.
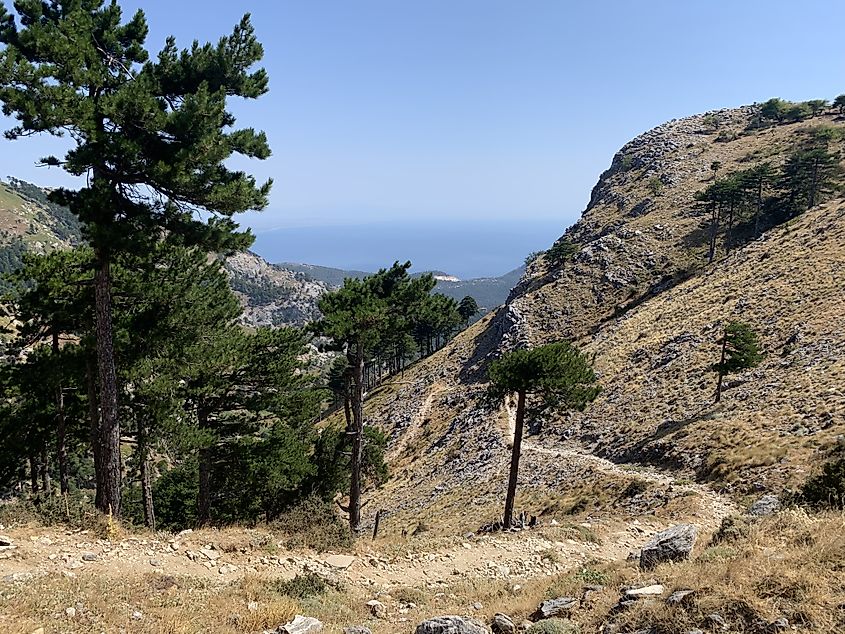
(340,561)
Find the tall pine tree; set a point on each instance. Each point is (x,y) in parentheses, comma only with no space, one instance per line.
(150,137)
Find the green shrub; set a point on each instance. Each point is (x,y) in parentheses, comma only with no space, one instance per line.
(77,511)
(303,586)
(554,626)
(592,577)
(654,186)
(562,251)
(313,523)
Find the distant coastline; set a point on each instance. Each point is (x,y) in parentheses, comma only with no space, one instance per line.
(466,249)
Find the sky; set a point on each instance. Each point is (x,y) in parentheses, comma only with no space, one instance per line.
(491,110)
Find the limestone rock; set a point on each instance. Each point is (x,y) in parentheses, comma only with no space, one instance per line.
(553,608)
(340,561)
(673,544)
(450,625)
(377,608)
(301,625)
(647,591)
(502,624)
(766,505)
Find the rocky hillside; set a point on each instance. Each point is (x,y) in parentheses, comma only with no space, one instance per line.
(489,292)
(639,296)
(271,295)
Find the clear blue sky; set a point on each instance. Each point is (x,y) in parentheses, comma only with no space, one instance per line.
(461,109)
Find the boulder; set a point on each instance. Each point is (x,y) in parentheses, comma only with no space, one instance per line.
(301,625)
(766,505)
(673,544)
(450,625)
(502,624)
(553,608)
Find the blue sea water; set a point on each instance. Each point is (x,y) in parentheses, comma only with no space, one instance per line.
(466,249)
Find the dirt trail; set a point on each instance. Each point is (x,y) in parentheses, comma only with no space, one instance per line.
(715,506)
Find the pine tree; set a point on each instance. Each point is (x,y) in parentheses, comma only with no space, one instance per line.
(740,351)
(468,308)
(359,317)
(558,373)
(151,137)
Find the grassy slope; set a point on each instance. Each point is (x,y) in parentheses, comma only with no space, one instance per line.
(449,451)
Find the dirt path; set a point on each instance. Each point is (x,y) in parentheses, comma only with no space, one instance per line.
(715,505)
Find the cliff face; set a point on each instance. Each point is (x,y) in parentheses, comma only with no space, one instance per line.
(640,297)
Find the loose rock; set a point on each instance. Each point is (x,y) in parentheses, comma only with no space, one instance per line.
(502,624)
(673,544)
(766,505)
(301,625)
(554,607)
(450,625)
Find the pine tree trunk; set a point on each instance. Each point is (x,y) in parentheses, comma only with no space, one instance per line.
(146,480)
(94,422)
(714,232)
(507,520)
(729,235)
(721,362)
(357,440)
(108,437)
(33,475)
(61,429)
(204,491)
(44,468)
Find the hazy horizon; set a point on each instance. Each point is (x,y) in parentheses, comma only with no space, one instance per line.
(466,249)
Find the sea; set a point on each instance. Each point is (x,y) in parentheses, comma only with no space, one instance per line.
(465,249)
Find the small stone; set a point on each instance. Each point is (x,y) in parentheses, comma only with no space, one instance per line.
(340,561)
(40,630)
(226,569)
(679,596)
(377,608)
(450,625)
(302,625)
(357,629)
(781,624)
(766,505)
(502,624)
(90,557)
(252,606)
(70,612)
(137,615)
(554,607)
(5,541)
(648,591)
(716,620)
(477,606)
(155,563)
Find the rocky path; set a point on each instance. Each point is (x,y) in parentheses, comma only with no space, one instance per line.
(715,505)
